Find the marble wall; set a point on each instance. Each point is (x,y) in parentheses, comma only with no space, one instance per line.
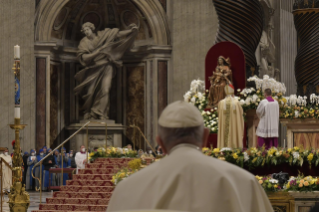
(17,27)
(193,26)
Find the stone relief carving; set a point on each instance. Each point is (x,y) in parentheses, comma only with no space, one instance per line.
(100,54)
(99,141)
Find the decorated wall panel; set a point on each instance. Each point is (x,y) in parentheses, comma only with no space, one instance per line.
(307,140)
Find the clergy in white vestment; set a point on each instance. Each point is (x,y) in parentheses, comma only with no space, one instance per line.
(268,113)
(80,159)
(7,173)
(186,179)
(230,121)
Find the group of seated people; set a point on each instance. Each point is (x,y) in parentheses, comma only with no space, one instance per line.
(53,161)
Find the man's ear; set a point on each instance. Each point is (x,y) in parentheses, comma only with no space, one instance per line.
(160,143)
(205,137)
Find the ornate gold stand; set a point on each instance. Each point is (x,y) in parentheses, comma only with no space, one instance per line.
(19,199)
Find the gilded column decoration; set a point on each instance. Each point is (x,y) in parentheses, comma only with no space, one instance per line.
(306,18)
(241,22)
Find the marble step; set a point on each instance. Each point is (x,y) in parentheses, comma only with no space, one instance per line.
(113,160)
(98,171)
(103,166)
(87,188)
(92,195)
(89,183)
(92,177)
(72,207)
(79,201)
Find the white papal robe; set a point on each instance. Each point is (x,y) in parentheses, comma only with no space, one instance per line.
(187,180)
(79,157)
(7,173)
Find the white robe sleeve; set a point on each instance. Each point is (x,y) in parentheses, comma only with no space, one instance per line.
(261,109)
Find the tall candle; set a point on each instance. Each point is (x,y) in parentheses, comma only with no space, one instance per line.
(16,52)
(17,112)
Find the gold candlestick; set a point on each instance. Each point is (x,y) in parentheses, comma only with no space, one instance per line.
(19,199)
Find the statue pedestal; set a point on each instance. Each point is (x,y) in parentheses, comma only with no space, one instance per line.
(115,135)
(302,132)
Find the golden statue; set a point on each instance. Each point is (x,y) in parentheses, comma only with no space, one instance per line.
(221,77)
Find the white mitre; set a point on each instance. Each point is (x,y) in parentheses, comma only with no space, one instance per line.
(180,114)
(229,90)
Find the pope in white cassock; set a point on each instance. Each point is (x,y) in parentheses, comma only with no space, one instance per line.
(80,159)
(268,113)
(7,173)
(186,179)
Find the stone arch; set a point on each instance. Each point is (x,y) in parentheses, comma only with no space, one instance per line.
(48,10)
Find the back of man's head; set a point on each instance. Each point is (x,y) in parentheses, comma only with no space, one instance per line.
(179,123)
(267,92)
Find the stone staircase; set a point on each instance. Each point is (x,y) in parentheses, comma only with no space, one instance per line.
(89,190)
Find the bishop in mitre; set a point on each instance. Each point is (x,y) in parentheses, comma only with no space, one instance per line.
(231,121)
(186,179)
(7,173)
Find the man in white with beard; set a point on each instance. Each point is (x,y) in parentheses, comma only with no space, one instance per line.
(7,174)
(186,179)
(80,159)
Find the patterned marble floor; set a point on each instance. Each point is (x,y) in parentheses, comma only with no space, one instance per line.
(34,201)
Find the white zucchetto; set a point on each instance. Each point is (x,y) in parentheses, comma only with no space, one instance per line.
(180,114)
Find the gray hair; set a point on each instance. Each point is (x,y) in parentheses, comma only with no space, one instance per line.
(174,136)
(88,24)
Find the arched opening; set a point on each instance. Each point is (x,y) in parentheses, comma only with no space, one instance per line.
(145,66)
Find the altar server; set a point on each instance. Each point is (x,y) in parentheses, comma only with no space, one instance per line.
(268,113)
(80,159)
(7,173)
(187,180)
(32,160)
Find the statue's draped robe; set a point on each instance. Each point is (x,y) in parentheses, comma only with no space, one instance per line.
(96,78)
(188,180)
(268,127)
(230,123)
(7,173)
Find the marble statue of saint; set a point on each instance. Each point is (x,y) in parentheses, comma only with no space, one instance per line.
(100,54)
(221,77)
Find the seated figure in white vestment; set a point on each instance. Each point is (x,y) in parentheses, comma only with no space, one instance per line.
(268,113)
(230,121)
(80,159)
(186,179)
(7,173)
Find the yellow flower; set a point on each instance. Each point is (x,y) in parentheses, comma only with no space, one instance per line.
(296,148)
(260,182)
(91,154)
(289,150)
(312,182)
(288,185)
(259,178)
(205,149)
(300,185)
(235,156)
(254,160)
(306,183)
(122,175)
(310,157)
(284,100)
(221,158)
(216,150)
(275,186)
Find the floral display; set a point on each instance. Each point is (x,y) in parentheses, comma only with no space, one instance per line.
(259,157)
(112,152)
(121,175)
(302,184)
(268,183)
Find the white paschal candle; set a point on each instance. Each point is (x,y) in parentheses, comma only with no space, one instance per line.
(16,52)
(16,112)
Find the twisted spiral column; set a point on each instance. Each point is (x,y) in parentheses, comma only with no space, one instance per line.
(307,59)
(241,22)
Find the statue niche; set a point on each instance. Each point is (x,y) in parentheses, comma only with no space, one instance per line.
(100,54)
(221,77)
